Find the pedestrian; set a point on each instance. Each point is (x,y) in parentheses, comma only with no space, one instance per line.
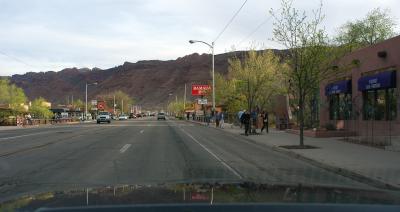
(254,121)
(245,119)
(217,118)
(240,113)
(265,122)
(208,118)
(221,120)
(188,116)
(193,116)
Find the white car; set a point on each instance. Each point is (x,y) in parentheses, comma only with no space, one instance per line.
(103,117)
(161,115)
(123,117)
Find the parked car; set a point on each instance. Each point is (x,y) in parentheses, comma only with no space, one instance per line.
(104,117)
(123,117)
(132,116)
(161,116)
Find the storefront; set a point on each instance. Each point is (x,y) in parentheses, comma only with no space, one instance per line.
(365,100)
(339,98)
(379,96)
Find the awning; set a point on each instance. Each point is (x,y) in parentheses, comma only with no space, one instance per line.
(343,86)
(382,80)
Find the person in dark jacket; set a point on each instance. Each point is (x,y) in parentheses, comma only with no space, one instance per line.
(246,121)
(265,122)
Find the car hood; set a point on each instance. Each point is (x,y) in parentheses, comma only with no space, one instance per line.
(243,192)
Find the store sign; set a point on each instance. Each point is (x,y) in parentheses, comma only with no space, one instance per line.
(378,81)
(202,101)
(343,86)
(94,102)
(200,90)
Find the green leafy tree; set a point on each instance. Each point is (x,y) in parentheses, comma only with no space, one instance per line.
(120,97)
(79,104)
(39,109)
(227,94)
(310,55)
(12,95)
(377,26)
(176,107)
(257,78)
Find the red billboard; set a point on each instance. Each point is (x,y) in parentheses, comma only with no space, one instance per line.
(200,90)
(101,105)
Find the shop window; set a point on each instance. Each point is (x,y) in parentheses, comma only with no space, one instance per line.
(392,104)
(379,104)
(340,107)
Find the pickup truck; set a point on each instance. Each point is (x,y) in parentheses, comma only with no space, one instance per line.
(104,117)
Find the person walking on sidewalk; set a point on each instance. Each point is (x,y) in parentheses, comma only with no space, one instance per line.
(265,122)
(240,113)
(221,119)
(217,118)
(246,121)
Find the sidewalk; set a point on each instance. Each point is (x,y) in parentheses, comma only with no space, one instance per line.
(371,165)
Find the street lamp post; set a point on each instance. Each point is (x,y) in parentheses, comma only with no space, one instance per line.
(86,110)
(212,45)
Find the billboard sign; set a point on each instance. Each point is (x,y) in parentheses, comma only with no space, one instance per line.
(200,90)
(101,105)
(202,101)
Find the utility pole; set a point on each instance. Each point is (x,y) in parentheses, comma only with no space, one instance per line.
(184,99)
(114,105)
(122,106)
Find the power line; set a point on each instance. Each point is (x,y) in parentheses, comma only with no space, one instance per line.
(17,59)
(255,30)
(230,21)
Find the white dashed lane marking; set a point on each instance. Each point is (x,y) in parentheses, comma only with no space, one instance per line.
(124,148)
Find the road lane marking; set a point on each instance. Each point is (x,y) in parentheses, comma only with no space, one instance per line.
(124,148)
(214,155)
(141,131)
(20,136)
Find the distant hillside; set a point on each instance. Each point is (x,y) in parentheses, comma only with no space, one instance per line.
(149,82)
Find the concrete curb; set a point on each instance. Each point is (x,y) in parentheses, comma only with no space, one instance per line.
(335,169)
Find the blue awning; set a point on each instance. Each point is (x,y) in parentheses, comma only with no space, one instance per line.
(382,80)
(343,86)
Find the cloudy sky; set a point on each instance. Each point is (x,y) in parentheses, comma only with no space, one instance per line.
(42,35)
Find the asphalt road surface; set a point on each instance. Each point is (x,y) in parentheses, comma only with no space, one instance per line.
(142,151)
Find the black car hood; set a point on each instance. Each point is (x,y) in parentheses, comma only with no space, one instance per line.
(200,193)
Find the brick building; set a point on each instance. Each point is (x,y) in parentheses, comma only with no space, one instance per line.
(366,99)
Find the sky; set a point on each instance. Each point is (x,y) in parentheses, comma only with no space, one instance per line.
(44,35)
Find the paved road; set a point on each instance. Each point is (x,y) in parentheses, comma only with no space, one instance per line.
(143,151)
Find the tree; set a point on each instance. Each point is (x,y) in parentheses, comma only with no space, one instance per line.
(377,26)
(176,107)
(39,109)
(79,104)
(120,97)
(227,93)
(310,57)
(12,95)
(257,78)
